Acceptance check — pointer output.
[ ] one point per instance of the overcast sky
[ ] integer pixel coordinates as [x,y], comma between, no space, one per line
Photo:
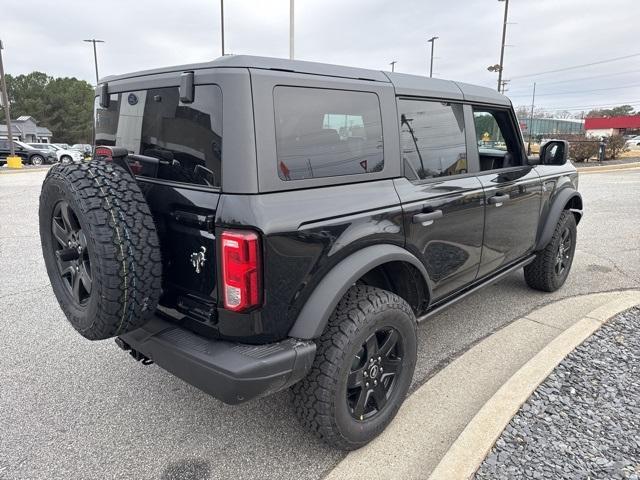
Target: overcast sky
[542,35]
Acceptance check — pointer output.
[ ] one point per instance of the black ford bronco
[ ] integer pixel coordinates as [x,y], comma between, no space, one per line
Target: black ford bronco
[253,224]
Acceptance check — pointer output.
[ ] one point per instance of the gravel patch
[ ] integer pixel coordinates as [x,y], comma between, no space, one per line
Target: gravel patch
[583,421]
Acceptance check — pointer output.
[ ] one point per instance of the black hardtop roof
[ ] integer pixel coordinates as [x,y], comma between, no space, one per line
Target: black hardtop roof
[405,84]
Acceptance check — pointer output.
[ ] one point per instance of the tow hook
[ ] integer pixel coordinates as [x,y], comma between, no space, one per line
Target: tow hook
[138,356]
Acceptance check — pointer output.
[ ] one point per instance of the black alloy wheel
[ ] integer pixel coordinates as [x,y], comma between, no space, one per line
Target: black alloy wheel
[373,374]
[71,252]
[563,256]
[364,363]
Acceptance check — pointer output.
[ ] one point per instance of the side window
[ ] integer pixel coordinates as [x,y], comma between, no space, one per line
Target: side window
[4,144]
[326,133]
[497,141]
[432,139]
[185,137]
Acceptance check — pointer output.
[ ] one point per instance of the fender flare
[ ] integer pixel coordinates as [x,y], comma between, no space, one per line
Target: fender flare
[553,216]
[314,316]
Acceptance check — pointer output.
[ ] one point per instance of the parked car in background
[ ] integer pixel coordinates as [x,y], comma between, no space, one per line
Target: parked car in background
[62,145]
[28,154]
[633,142]
[63,155]
[85,148]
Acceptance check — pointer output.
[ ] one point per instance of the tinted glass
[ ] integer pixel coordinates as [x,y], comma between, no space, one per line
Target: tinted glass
[185,137]
[4,144]
[432,139]
[325,133]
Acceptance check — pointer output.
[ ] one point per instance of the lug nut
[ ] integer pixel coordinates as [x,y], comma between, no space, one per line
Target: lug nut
[379,359]
[381,369]
[375,382]
[365,374]
[366,385]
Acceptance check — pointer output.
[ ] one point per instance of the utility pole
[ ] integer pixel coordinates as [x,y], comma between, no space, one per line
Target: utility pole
[393,64]
[12,160]
[533,103]
[432,40]
[503,85]
[291,28]
[504,36]
[222,24]
[95,55]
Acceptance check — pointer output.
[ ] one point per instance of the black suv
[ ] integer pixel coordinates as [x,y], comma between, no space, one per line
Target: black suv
[252,224]
[27,153]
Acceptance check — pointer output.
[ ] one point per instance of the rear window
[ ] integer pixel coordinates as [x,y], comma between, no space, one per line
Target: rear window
[185,137]
[327,133]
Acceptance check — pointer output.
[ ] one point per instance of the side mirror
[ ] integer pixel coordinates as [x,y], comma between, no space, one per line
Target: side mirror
[554,152]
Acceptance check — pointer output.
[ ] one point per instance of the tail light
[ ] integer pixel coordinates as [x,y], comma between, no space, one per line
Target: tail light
[103,153]
[241,270]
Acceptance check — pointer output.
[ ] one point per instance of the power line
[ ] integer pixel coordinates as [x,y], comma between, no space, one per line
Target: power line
[582,91]
[590,106]
[585,78]
[577,66]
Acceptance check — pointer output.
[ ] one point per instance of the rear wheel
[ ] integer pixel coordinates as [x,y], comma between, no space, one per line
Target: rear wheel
[65,159]
[362,370]
[550,269]
[37,160]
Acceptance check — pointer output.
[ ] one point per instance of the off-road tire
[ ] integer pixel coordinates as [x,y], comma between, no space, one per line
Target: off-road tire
[320,398]
[540,274]
[121,243]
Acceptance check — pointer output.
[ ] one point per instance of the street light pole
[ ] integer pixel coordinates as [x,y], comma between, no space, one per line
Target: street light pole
[393,64]
[432,40]
[5,102]
[504,36]
[95,54]
[222,24]
[533,103]
[291,28]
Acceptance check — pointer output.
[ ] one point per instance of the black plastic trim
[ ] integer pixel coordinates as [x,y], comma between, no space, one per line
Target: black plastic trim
[232,372]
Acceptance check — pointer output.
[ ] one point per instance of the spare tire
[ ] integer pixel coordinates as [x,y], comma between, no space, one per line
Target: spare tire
[100,248]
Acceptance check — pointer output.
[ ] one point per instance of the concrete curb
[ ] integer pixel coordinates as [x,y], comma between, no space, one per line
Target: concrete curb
[609,168]
[8,171]
[467,453]
[441,425]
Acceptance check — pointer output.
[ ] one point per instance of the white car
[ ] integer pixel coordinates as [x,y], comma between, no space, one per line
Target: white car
[633,142]
[63,155]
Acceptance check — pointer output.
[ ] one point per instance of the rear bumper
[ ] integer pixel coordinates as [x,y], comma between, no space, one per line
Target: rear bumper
[231,372]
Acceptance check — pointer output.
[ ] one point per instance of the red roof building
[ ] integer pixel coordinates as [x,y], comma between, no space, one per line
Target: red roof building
[611,125]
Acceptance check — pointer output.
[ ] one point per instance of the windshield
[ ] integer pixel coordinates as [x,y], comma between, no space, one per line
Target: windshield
[23,145]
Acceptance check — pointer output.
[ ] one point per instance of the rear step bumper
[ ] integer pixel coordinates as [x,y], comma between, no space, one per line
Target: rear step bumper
[231,372]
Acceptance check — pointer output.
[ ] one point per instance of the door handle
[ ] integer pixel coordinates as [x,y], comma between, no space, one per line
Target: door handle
[499,199]
[427,216]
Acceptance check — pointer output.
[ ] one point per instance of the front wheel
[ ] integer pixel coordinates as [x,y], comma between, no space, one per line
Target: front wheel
[37,160]
[362,370]
[65,159]
[551,266]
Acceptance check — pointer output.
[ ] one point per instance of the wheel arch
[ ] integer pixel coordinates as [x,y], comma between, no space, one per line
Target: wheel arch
[567,199]
[373,266]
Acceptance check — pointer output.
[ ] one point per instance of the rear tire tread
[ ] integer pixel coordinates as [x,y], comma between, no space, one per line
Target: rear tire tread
[312,395]
[128,270]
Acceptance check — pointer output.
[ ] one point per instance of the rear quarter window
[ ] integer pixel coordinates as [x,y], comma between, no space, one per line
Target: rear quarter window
[326,133]
[185,137]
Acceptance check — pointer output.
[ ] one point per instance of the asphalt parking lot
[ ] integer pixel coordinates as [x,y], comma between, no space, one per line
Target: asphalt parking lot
[70,408]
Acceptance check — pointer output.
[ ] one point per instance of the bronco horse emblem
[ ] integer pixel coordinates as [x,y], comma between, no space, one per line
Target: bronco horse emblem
[198,259]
